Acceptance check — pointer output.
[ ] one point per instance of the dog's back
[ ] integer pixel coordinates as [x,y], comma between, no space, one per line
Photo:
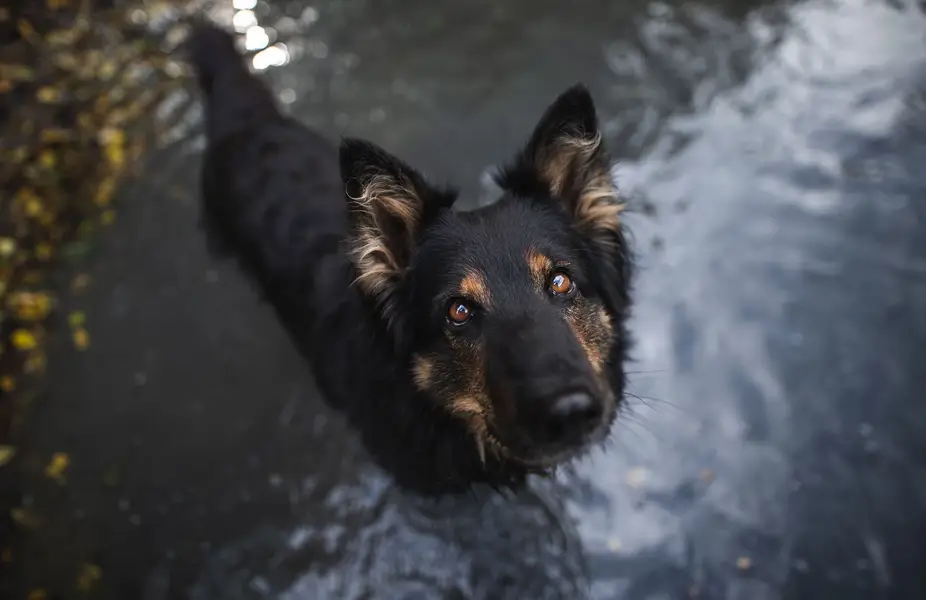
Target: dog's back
[271,187]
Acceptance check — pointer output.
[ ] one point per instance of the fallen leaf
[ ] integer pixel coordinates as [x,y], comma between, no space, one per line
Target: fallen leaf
[48,95]
[743,563]
[30,306]
[36,363]
[58,465]
[43,251]
[88,577]
[81,339]
[7,247]
[113,141]
[80,283]
[48,159]
[7,383]
[77,319]
[6,454]
[104,191]
[24,517]
[24,339]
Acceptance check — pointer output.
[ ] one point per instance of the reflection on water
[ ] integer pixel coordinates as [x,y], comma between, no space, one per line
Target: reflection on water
[774,153]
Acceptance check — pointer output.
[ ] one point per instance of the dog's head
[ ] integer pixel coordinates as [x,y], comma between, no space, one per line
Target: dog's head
[511,316]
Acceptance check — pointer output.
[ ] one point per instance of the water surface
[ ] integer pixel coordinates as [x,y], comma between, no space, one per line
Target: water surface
[773,154]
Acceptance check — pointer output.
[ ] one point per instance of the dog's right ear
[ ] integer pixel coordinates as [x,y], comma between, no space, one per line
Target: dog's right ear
[565,159]
[388,204]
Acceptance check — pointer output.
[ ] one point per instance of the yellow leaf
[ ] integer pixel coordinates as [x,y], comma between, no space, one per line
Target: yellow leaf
[80,283]
[81,338]
[58,465]
[6,454]
[48,95]
[104,192]
[113,141]
[25,28]
[36,363]
[24,517]
[29,200]
[85,120]
[7,247]
[48,158]
[77,319]
[31,306]
[17,72]
[107,70]
[52,135]
[43,251]
[108,217]
[24,339]
[20,154]
[89,575]
[37,595]
[7,384]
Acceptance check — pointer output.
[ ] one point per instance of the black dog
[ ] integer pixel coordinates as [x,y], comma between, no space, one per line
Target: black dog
[466,347]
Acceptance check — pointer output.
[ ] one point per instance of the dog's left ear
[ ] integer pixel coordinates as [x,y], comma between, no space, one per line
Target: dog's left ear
[565,160]
[389,203]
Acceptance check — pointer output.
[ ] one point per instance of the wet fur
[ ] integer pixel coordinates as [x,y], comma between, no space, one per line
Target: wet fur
[332,239]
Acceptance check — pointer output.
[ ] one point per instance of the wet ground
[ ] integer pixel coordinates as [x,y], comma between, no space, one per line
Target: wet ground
[775,156]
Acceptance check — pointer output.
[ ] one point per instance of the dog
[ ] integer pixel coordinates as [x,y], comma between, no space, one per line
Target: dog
[465,347]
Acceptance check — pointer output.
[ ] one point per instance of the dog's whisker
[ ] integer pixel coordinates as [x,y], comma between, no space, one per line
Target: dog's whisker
[480,448]
[647,372]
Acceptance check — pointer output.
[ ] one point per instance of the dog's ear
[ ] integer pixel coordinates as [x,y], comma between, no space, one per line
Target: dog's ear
[388,204]
[566,160]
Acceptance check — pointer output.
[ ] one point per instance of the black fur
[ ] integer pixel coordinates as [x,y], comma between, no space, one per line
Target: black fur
[283,200]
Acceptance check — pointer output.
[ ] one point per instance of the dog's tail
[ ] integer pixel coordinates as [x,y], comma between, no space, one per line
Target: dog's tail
[234,97]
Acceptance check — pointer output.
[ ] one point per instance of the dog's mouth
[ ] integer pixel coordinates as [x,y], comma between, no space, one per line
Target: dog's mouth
[520,448]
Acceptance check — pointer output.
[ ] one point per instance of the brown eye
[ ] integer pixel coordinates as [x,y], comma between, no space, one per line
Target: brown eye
[458,312]
[560,283]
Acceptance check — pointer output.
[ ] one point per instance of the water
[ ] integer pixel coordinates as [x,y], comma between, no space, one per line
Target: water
[774,156]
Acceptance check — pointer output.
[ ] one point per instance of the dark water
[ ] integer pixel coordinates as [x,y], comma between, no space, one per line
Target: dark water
[776,158]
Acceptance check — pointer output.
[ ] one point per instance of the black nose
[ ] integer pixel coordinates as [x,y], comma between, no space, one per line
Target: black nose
[571,416]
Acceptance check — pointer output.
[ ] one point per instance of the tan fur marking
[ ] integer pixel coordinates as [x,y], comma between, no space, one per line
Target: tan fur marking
[474,286]
[475,417]
[540,266]
[466,405]
[599,205]
[422,372]
[593,330]
[557,164]
[377,265]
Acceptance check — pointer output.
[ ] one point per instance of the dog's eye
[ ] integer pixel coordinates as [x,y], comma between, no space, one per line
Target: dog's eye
[458,312]
[560,284]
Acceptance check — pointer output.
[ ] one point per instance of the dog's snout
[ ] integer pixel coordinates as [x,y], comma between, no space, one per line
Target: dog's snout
[577,406]
[570,417]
